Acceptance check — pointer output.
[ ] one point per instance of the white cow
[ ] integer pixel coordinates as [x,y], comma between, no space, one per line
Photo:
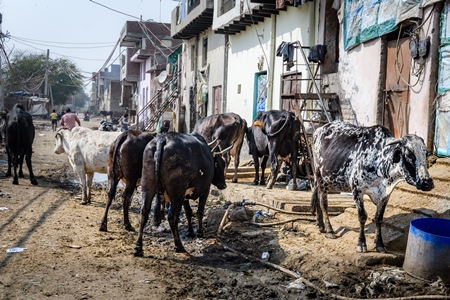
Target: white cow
[88,153]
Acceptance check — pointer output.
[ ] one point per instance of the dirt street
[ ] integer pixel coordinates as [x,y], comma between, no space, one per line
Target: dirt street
[65,256]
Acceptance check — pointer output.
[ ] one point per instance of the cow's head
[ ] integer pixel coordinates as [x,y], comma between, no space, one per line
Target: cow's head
[219,172]
[410,153]
[59,140]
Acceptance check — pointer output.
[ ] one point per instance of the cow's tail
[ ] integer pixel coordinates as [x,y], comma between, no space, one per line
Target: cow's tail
[161,142]
[315,205]
[116,152]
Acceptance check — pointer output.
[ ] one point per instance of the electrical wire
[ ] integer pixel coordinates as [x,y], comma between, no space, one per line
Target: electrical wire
[54,46]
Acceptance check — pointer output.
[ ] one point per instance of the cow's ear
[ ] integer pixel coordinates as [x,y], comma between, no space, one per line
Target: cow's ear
[396,155]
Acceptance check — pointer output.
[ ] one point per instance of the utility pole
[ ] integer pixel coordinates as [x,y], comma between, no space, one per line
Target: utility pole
[2,99]
[46,75]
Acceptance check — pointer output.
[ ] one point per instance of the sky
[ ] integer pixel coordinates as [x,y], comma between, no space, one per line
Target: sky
[83,31]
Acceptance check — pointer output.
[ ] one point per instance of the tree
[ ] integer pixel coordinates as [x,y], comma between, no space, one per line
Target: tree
[26,72]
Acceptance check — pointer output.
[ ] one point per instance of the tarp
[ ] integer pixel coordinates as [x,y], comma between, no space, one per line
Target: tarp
[38,106]
[368,19]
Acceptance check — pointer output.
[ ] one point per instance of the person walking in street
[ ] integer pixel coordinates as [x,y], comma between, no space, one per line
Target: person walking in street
[54,118]
[124,123]
[70,119]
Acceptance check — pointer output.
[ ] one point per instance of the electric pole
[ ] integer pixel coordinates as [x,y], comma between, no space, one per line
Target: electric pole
[2,99]
[46,75]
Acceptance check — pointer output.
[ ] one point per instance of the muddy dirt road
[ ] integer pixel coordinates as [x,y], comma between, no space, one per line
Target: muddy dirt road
[65,256]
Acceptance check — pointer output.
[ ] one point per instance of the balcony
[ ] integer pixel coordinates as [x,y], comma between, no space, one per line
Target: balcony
[191,17]
[236,19]
[130,71]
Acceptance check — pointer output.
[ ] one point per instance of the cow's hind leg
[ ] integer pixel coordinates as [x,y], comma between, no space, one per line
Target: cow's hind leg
[112,187]
[379,245]
[174,217]
[362,216]
[256,166]
[322,193]
[262,180]
[15,164]
[201,211]
[20,165]
[126,200]
[188,211]
[316,210]
[30,168]
[147,198]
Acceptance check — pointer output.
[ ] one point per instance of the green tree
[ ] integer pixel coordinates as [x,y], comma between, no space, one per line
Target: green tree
[80,100]
[26,72]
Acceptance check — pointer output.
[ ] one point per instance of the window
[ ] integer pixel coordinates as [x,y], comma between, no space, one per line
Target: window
[193,57]
[205,52]
[226,5]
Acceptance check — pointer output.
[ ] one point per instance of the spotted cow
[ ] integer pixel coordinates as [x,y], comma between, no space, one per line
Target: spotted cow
[364,161]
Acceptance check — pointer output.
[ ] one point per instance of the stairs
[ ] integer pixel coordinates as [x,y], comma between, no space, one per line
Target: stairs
[168,95]
[302,93]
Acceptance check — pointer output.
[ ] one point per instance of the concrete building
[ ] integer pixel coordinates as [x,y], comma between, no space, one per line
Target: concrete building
[147,46]
[369,67]
[107,91]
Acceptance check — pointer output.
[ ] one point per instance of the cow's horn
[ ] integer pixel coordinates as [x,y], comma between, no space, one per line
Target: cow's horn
[393,142]
[214,148]
[226,149]
[213,143]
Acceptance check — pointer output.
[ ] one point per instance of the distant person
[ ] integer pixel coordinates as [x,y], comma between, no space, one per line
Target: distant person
[124,123]
[70,119]
[54,118]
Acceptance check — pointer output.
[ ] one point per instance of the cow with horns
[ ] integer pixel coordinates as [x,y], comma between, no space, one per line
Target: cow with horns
[282,129]
[179,167]
[224,131]
[364,161]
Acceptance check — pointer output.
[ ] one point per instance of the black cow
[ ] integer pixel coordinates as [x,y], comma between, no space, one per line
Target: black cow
[106,113]
[282,129]
[179,167]
[364,160]
[125,162]
[258,146]
[19,140]
[224,132]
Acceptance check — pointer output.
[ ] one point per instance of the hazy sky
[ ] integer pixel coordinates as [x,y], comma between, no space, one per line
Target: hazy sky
[80,30]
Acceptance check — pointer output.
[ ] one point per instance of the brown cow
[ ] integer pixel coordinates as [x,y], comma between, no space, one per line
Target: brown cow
[223,131]
[125,162]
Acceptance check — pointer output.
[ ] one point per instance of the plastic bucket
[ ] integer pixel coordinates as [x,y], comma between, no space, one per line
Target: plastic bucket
[428,249]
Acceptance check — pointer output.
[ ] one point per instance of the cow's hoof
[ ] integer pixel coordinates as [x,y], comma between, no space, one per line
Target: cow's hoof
[330,235]
[34,182]
[84,202]
[16,181]
[138,252]
[262,183]
[200,234]
[128,227]
[381,249]
[103,227]
[190,234]
[234,180]
[180,249]
[361,249]
[255,182]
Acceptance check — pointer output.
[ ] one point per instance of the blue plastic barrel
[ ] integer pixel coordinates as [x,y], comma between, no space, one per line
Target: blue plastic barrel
[428,249]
